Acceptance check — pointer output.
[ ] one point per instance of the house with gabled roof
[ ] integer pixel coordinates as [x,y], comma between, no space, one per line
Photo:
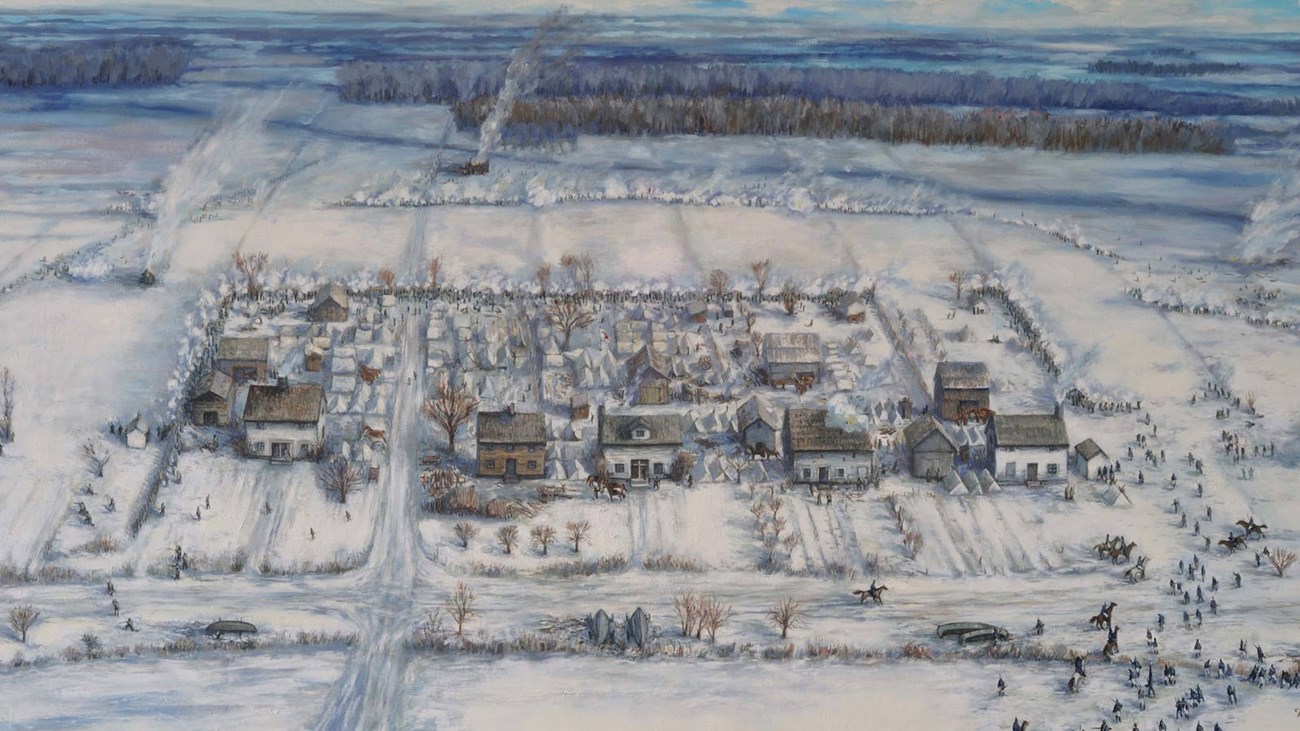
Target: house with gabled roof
[931,451]
[1029,449]
[1090,459]
[649,377]
[639,447]
[331,304]
[792,357]
[511,445]
[759,424]
[210,405]
[244,358]
[284,422]
[820,453]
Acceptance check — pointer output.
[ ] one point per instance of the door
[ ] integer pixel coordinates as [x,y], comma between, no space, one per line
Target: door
[640,469]
[512,470]
[1031,472]
[280,452]
[209,418]
[823,474]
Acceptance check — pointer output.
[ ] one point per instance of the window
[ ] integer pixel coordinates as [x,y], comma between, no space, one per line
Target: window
[659,468]
[640,433]
[1011,469]
[1051,469]
[490,463]
[620,468]
[839,472]
[532,464]
[259,447]
[260,425]
[304,450]
[807,473]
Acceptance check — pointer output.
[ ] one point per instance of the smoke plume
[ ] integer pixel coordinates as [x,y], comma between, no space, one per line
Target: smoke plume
[522,77]
[1273,230]
[197,178]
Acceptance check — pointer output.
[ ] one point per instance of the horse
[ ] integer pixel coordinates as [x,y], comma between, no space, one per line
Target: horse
[1102,619]
[615,490]
[1252,528]
[875,594]
[1138,571]
[1076,680]
[1125,550]
[1234,542]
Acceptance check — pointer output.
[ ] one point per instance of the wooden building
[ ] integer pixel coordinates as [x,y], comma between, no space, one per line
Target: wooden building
[211,403]
[960,387]
[244,359]
[511,445]
[331,304]
[931,451]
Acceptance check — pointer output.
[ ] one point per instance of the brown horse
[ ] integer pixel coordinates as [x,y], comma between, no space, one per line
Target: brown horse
[1234,542]
[1101,620]
[1252,528]
[1125,550]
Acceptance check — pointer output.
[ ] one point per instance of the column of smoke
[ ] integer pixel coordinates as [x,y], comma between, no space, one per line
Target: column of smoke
[196,179]
[522,77]
[1272,232]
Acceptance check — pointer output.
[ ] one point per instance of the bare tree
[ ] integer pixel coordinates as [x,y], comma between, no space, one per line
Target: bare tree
[22,618]
[435,270]
[96,458]
[508,537]
[718,281]
[789,298]
[1281,559]
[387,277]
[586,271]
[958,278]
[465,532]
[6,407]
[577,531]
[1251,399]
[339,477]
[713,614]
[749,317]
[786,615]
[567,315]
[542,536]
[544,277]
[251,266]
[450,409]
[762,269]
[460,605]
[687,607]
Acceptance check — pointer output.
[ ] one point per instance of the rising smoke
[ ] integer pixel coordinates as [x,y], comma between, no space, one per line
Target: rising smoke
[522,76]
[1273,231]
[197,178]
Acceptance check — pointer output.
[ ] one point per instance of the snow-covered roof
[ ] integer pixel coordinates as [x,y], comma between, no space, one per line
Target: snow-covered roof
[961,375]
[792,348]
[1030,430]
[618,429]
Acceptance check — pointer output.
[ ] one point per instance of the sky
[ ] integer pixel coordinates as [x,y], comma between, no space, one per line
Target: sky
[1210,15]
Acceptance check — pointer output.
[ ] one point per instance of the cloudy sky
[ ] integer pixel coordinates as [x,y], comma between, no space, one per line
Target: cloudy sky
[1235,15]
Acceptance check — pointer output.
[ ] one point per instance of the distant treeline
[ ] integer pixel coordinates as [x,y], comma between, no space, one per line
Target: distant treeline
[1151,68]
[552,120]
[444,82]
[132,62]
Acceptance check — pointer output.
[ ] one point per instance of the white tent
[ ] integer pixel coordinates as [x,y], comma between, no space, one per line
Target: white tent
[953,485]
[972,483]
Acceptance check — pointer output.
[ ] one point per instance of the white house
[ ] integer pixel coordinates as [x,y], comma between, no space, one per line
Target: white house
[759,424]
[1089,459]
[639,447]
[284,422]
[1029,448]
[819,453]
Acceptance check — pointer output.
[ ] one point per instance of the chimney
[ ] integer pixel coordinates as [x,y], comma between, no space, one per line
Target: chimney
[1057,410]
[282,382]
[905,406]
[510,408]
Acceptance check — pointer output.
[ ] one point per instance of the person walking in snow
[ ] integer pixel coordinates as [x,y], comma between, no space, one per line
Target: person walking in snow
[116,608]
[1002,687]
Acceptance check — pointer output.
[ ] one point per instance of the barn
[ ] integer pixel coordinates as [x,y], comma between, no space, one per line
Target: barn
[759,424]
[649,377]
[244,359]
[791,357]
[931,451]
[960,387]
[331,304]
[211,403]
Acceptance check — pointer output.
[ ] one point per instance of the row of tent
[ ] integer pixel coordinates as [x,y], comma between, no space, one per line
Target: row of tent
[968,483]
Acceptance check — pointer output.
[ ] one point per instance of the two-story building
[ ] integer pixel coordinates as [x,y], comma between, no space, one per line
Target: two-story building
[511,445]
[1029,449]
[244,359]
[960,387]
[817,452]
[639,447]
[284,422]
